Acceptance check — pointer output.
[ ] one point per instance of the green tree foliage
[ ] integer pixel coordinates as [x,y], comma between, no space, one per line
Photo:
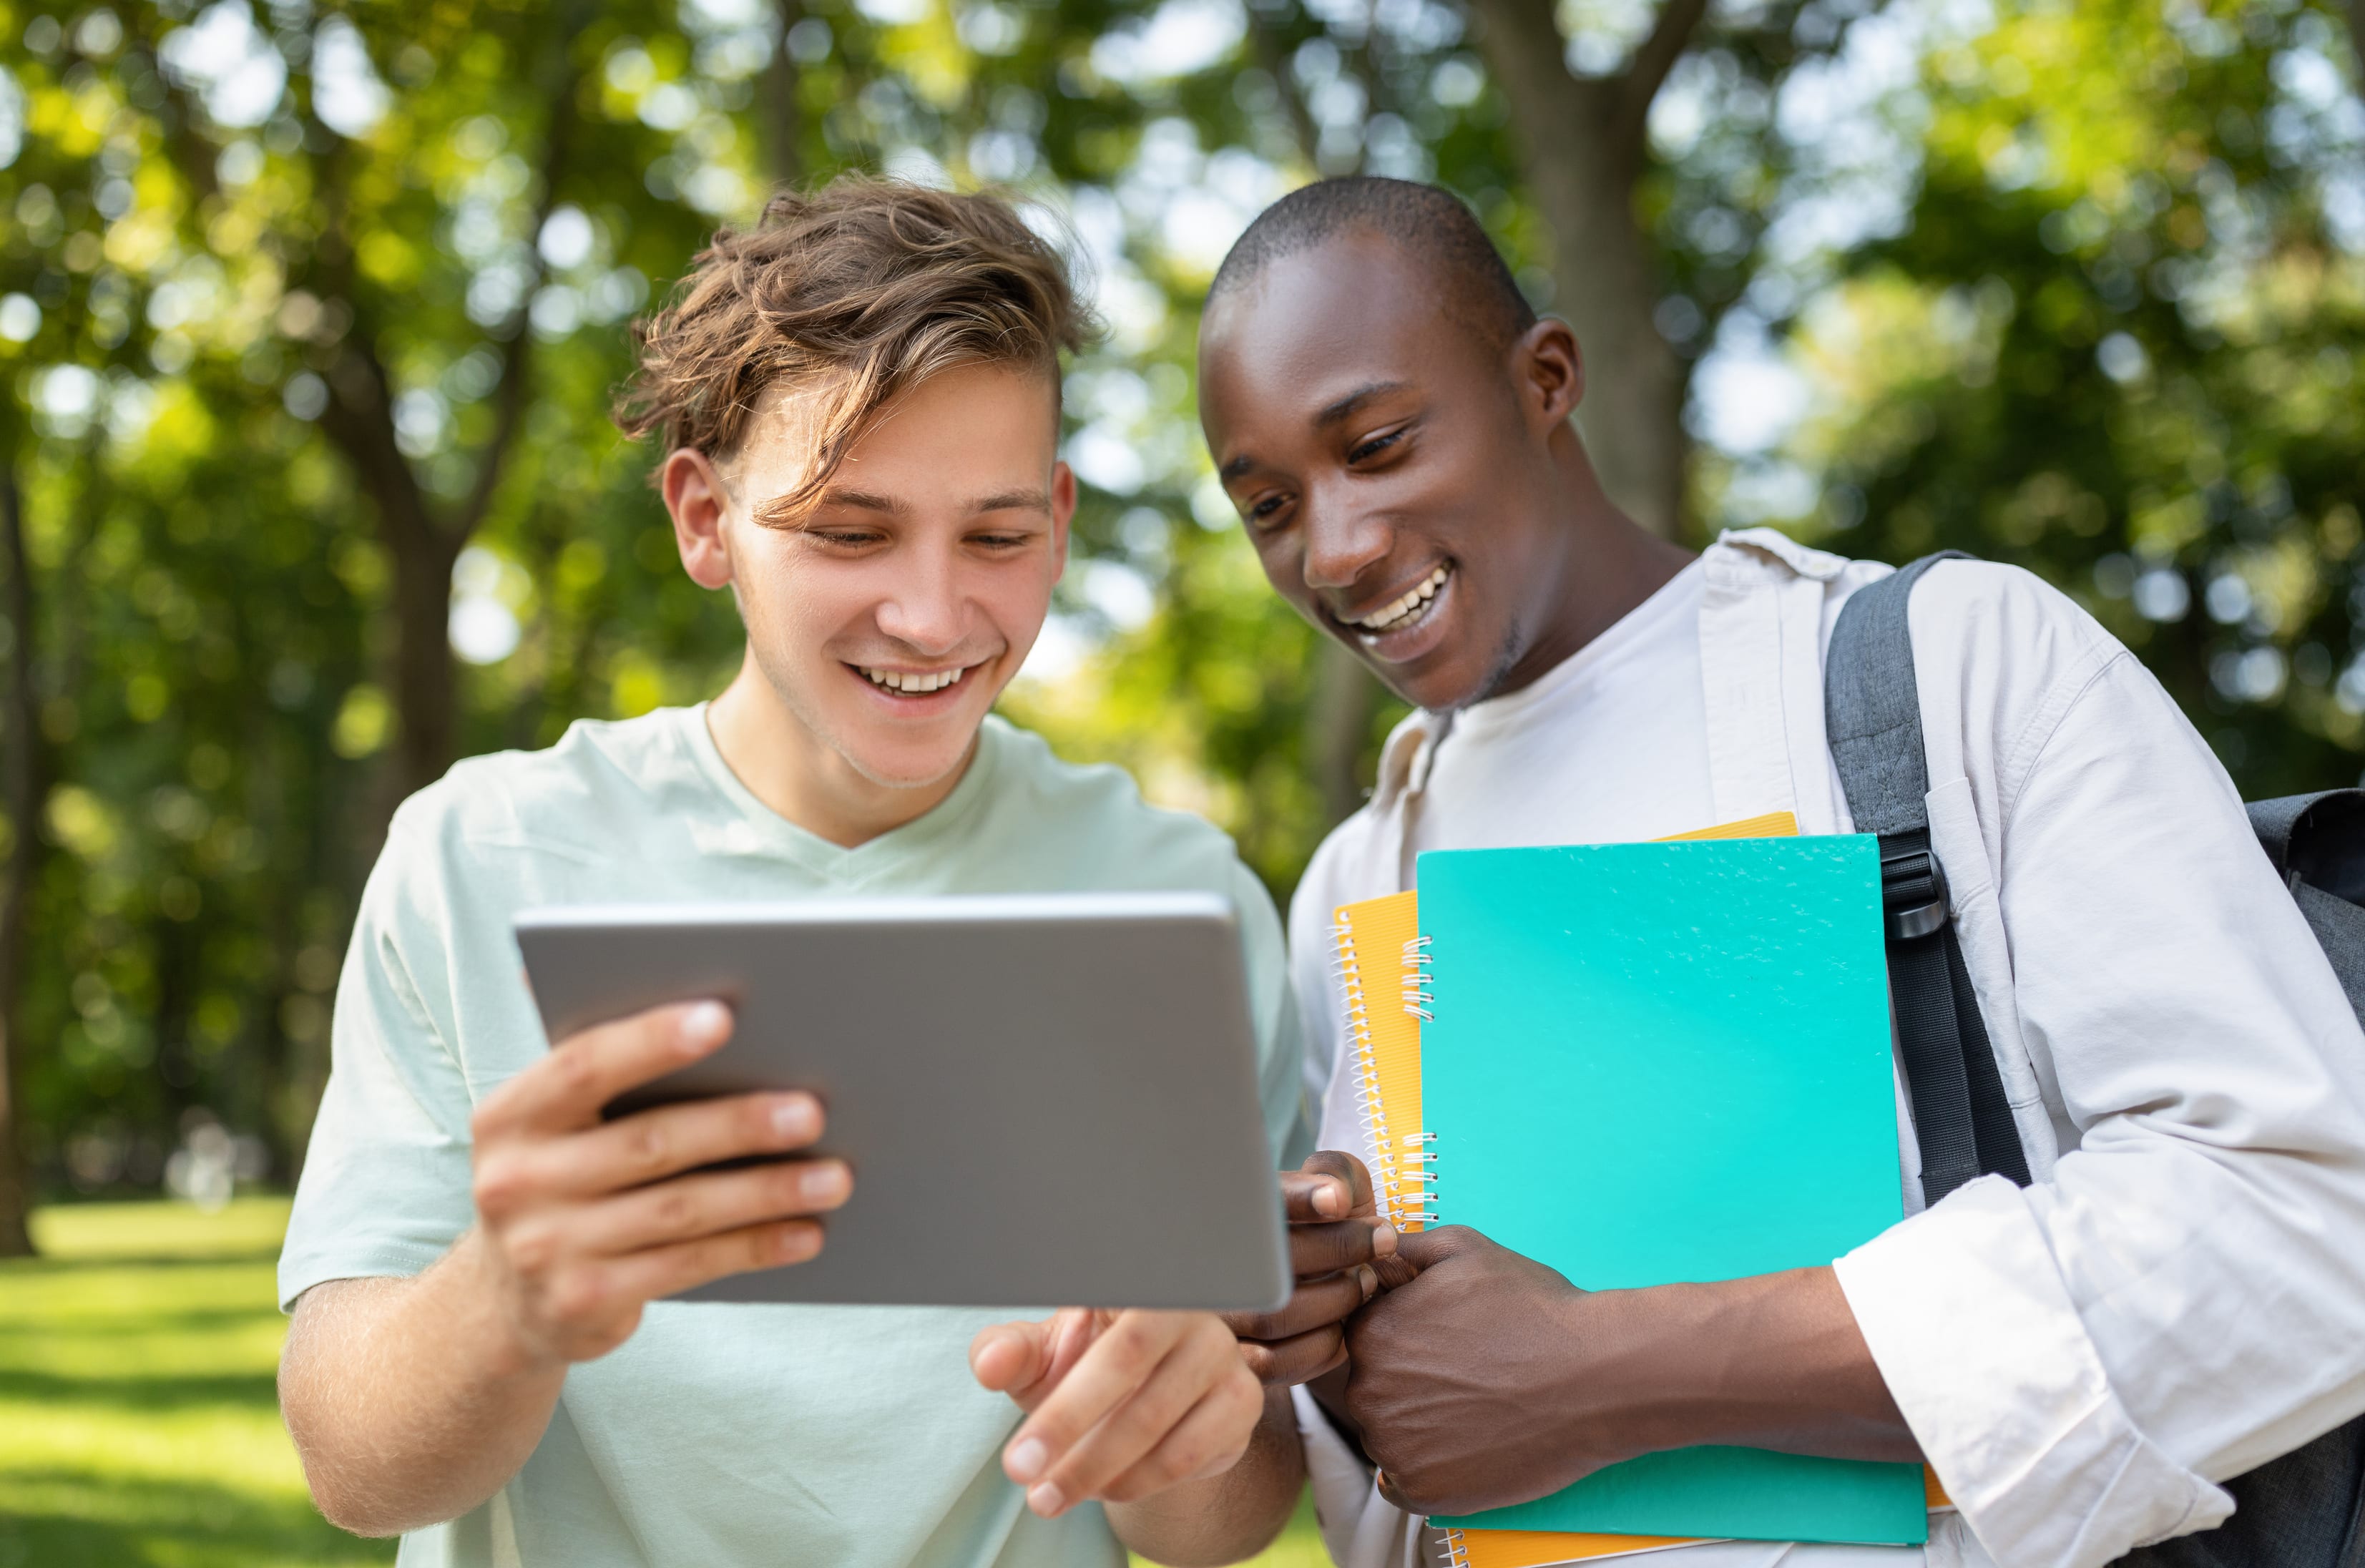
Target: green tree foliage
[277,354]
[2116,344]
[311,314]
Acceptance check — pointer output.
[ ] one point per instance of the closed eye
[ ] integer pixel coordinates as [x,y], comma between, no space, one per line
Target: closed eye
[1377,445]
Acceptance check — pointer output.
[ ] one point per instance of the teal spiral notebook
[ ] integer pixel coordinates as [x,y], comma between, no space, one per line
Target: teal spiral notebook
[1647,1063]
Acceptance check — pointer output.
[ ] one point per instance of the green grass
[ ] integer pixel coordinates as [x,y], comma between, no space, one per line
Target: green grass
[138,1421]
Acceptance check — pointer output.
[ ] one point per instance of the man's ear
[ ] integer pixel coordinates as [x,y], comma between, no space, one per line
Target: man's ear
[1063,509]
[1548,368]
[697,499]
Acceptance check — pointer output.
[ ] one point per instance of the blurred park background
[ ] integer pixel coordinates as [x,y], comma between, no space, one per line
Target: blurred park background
[311,313]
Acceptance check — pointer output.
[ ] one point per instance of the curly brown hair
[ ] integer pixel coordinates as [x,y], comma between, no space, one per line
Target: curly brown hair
[858,291]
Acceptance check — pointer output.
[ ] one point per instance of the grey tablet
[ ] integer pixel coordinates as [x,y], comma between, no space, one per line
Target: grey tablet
[1048,1100]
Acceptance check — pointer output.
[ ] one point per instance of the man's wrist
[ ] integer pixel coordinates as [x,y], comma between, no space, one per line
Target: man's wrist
[1630,1373]
[1224,1518]
[1770,1362]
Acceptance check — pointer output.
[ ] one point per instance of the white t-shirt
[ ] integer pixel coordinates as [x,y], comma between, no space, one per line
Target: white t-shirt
[1609,746]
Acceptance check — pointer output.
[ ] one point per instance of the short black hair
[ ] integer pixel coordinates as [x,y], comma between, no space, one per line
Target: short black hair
[1475,286]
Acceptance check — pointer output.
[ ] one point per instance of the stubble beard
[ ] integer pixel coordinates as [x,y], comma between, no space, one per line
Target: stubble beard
[1507,654]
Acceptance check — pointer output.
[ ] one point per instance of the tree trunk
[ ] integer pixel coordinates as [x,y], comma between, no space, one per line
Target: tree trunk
[1341,700]
[1605,286]
[425,538]
[426,685]
[782,113]
[359,419]
[1342,694]
[175,960]
[21,777]
[1581,143]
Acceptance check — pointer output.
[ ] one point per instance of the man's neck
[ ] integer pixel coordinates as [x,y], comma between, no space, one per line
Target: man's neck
[1610,565]
[792,770]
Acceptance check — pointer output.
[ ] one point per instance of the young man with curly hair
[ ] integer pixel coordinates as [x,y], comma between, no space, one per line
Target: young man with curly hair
[858,408]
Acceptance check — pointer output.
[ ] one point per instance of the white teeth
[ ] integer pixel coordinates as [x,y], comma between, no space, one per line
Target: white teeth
[1390,614]
[913,682]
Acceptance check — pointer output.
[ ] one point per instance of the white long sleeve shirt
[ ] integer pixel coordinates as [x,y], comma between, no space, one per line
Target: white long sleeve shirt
[2181,1294]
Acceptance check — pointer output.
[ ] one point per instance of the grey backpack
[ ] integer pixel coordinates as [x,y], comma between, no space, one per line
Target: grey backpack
[2303,1511]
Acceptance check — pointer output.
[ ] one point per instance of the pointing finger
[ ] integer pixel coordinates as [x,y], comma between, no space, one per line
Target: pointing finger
[1118,1364]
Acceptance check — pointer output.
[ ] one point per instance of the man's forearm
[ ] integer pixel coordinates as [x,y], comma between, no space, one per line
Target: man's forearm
[1776,1361]
[411,1400]
[1225,1518]
[1488,1380]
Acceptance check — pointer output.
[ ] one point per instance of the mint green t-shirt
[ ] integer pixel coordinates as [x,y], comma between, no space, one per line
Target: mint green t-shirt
[719,1434]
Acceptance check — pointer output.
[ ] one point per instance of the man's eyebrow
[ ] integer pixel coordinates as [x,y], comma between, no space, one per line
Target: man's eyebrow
[861,500]
[1012,500]
[1331,414]
[1345,407]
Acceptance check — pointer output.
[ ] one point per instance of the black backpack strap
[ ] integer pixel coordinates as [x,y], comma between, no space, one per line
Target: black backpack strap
[2316,840]
[2273,821]
[1873,718]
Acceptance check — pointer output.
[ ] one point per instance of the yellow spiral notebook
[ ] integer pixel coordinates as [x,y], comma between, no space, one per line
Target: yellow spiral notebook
[1373,940]
[1375,948]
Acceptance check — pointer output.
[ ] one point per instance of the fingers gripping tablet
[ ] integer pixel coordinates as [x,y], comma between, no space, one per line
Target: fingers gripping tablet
[1060,1107]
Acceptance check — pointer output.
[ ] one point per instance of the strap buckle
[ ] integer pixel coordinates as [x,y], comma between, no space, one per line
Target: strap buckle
[1913,895]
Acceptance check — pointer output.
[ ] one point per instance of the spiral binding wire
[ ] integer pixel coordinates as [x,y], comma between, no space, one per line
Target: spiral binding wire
[1369,1111]
[1455,1550]
[1417,996]
[1413,1162]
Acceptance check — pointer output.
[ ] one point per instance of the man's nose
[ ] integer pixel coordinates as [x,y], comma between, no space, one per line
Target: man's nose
[926,612]
[1342,544]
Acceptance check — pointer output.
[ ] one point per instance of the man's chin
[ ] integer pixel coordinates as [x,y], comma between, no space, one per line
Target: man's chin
[1455,675]
[905,767]
[1444,680]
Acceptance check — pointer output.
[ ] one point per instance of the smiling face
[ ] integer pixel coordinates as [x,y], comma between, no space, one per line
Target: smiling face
[884,622]
[1402,478]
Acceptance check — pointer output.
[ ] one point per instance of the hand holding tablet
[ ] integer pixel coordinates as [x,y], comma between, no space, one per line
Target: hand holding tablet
[585,1220]
[1057,1105]
[1045,1099]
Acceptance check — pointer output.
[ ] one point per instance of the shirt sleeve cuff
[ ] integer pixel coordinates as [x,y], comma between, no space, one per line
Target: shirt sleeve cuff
[1975,1336]
[299,1271]
[1359,1527]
